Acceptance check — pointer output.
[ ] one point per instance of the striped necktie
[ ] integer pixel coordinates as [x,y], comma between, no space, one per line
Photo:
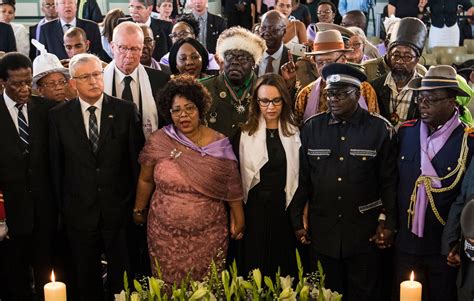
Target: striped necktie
[23,126]
[93,129]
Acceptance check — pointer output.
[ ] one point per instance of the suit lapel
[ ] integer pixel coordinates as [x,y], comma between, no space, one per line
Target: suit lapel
[32,122]
[106,120]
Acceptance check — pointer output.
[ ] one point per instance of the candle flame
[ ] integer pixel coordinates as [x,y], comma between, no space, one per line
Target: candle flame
[412,276]
[53,279]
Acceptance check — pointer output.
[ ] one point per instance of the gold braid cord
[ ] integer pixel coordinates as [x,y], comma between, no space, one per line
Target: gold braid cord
[426,181]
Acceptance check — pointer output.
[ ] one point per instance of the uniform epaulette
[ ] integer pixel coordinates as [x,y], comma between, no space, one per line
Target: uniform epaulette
[409,123]
[206,78]
[311,117]
[375,114]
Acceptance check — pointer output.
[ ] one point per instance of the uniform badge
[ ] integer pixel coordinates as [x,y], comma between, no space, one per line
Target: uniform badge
[222,94]
[333,78]
[213,118]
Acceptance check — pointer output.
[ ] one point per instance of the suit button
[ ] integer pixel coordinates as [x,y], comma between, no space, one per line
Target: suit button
[341,158]
[339,179]
[403,158]
[99,189]
[97,169]
[343,138]
[339,198]
[339,216]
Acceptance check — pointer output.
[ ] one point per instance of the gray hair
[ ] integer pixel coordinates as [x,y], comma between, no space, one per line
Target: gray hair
[358,32]
[80,59]
[127,28]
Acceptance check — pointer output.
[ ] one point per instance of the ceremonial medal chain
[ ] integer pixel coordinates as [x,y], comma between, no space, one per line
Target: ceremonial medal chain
[237,102]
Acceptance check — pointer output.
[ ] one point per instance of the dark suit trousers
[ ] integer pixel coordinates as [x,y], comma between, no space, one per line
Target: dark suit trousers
[19,256]
[466,291]
[355,277]
[438,279]
[86,250]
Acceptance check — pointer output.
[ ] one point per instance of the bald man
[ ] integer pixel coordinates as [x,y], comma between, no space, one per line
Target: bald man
[272,29]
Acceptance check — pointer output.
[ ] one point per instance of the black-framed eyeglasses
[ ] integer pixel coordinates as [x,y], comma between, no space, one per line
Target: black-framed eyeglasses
[54,84]
[188,109]
[88,76]
[324,12]
[405,58]
[238,58]
[341,95]
[430,101]
[265,102]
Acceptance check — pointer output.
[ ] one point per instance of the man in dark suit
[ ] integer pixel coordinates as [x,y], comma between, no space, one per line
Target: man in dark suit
[7,42]
[127,79]
[48,8]
[51,33]
[210,25]
[24,181]
[89,10]
[95,140]
[140,12]
[272,30]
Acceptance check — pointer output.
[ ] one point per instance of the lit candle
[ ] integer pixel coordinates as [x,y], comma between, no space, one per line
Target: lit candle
[410,290]
[55,290]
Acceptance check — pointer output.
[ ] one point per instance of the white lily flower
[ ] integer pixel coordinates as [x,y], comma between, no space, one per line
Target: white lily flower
[120,297]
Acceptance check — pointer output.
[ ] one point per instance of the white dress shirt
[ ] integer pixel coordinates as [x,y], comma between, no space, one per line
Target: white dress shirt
[276,61]
[134,84]
[14,111]
[86,114]
[72,23]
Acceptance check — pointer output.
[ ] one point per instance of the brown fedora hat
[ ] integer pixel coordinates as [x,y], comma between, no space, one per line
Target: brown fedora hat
[328,41]
[437,77]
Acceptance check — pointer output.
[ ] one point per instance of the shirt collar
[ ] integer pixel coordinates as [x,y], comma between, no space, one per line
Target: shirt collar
[122,75]
[354,119]
[10,103]
[97,104]
[73,22]
[277,55]
[390,82]
[148,22]
[204,16]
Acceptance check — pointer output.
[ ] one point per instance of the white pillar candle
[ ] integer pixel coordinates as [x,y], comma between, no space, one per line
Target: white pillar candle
[54,290]
[410,290]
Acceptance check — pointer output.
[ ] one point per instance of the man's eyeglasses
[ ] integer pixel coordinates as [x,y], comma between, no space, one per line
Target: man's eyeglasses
[48,5]
[270,29]
[87,77]
[180,35]
[405,58]
[354,46]
[148,41]
[430,101]
[124,49]
[264,102]
[324,12]
[20,84]
[188,109]
[341,95]
[54,84]
[321,64]
[239,58]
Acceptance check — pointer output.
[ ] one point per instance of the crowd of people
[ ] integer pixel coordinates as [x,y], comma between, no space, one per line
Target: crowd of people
[156,137]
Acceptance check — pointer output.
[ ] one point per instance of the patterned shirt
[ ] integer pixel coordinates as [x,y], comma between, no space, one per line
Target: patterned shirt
[399,100]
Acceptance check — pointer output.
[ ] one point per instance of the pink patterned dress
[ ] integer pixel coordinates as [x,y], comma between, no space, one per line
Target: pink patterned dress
[187,220]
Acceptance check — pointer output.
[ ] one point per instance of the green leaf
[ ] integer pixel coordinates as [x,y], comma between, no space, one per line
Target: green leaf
[269,283]
[125,283]
[137,285]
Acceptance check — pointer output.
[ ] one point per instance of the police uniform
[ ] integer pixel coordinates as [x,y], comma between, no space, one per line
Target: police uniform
[348,174]
[224,115]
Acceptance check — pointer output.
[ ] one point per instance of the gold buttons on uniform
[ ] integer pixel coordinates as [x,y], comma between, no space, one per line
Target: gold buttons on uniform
[449,168]
[343,138]
[341,158]
[403,158]
[317,158]
[364,158]
[339,179]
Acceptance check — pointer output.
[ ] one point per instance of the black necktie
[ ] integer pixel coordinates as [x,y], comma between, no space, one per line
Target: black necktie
[269,68]
[93,129]
[67,26]
[22,126]
[127,90]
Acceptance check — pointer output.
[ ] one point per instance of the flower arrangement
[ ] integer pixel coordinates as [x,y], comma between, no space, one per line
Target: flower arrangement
[227,285]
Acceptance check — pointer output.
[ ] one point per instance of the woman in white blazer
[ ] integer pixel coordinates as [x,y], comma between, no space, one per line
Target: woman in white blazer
[269,165]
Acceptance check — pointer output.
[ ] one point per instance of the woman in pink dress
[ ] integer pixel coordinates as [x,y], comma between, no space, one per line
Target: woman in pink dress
[190,173]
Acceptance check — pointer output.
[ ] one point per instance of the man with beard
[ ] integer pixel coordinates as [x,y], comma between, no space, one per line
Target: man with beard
[434,154]
[395,99]
[239,50]
[347,175]
[272,30]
